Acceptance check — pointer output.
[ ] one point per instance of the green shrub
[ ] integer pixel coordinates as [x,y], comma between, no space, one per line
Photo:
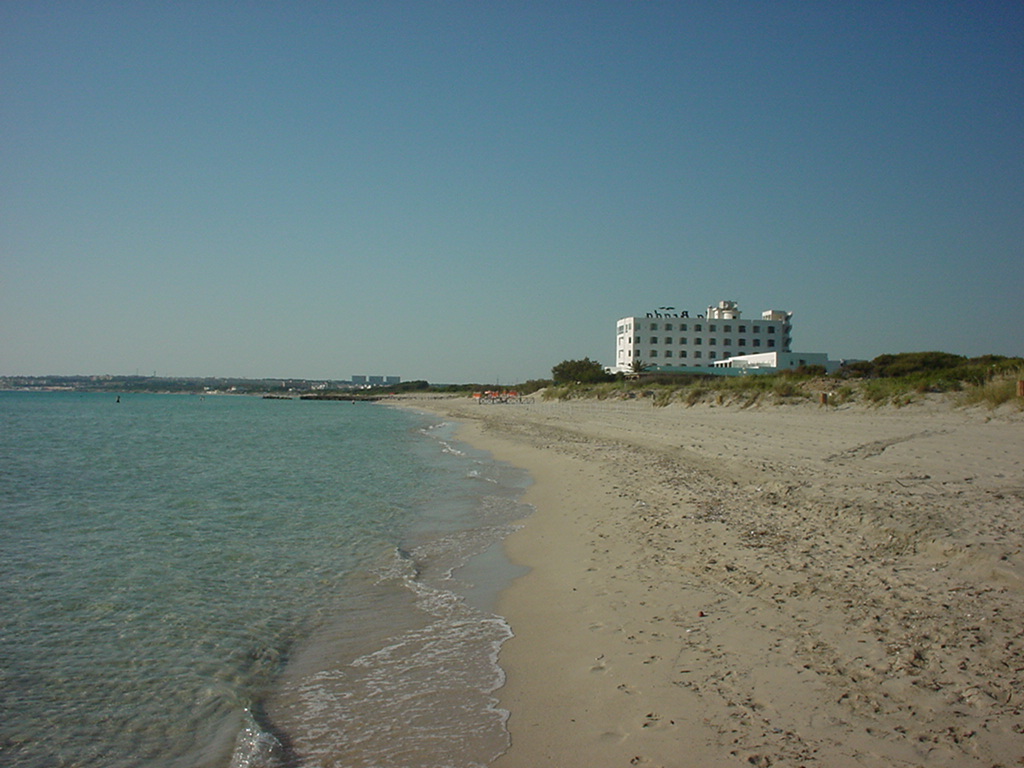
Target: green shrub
[585,370]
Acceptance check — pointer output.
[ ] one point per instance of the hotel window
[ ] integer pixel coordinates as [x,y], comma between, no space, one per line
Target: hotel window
[668,326]
[682,339]
[743,329]
[654,326]
[727,343]
[654,339]
[696,327]
[654,353]
[742,342]
[696,354]
[756,329]
[668,353]
[682,326]
[682,353]
[668,339]
[757,342]
[771,342]
[712,342]
[728,329]
[771,329]
[711,355]
[711,327]
[637,340]
[636,353]
[697,341]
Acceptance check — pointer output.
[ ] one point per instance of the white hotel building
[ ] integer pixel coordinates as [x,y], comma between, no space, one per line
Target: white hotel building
[665,340]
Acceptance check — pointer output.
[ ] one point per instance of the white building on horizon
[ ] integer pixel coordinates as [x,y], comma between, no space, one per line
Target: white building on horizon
[670,340]
[375,381]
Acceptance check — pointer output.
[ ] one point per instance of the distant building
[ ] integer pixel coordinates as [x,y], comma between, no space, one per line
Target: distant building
[670,340]
[375,381]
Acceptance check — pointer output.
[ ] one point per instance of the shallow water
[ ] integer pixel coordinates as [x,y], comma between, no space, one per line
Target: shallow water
[213,581]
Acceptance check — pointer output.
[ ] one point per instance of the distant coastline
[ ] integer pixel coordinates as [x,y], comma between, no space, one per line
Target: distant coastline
[171,384]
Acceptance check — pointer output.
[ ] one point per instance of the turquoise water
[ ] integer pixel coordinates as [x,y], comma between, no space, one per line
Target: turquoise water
[229,581]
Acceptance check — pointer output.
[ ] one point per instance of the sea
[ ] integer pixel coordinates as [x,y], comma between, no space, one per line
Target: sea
[226,581]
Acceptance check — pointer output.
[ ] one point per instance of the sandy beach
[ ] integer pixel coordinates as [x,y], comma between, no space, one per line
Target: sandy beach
[788,585]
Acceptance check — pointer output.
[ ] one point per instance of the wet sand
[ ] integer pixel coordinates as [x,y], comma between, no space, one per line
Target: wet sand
[788,585]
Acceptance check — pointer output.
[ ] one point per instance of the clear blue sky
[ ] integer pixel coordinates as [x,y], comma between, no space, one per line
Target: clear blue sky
[475,191]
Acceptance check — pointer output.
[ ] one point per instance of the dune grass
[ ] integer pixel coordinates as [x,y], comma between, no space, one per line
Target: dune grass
[894,380]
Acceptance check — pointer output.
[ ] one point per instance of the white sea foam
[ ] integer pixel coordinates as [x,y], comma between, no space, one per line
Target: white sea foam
[254,747]
[424,697]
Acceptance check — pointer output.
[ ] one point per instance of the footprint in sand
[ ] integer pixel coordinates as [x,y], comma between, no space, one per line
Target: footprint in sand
[654,720]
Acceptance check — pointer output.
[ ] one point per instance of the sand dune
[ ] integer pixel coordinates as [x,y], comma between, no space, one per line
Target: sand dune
[784,586]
